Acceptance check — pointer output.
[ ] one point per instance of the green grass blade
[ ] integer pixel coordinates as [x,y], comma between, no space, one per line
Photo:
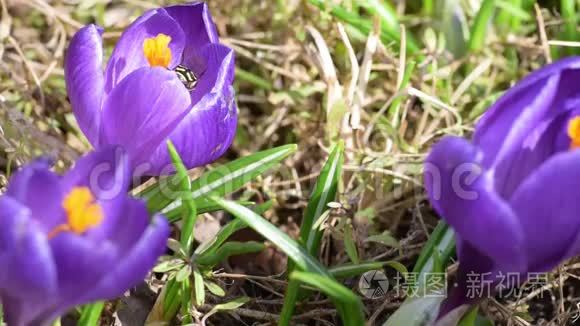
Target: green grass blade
[569,33]
[232,176]
[299,256]
[209,248]
[479,29]
[290,298]
[177,293]
[514,9]
[363,25]
[253,79]
[188,208]
[454,26]
[350,245]
[231,248]
[222,180]
[189,220]
[291,248]
[186,301]
[395,108]
[441,243]
[389,21]
[180,171]
[428,7]
[90,314]
[348,304]
[416,312]
[171,300]
[511,14]
[351,270]
[324,193]
[385,11]
[433,258]
[202,205]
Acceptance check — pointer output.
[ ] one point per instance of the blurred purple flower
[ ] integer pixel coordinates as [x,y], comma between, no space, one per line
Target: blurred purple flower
[168,78]
[511,194]
[74,239]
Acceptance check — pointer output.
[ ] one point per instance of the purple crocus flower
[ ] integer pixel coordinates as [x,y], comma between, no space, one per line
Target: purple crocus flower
[511,194]
[72,239]
[167,78]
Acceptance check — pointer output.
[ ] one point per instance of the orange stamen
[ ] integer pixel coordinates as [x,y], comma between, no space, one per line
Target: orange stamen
[82,212]
[574,132]
[157,51]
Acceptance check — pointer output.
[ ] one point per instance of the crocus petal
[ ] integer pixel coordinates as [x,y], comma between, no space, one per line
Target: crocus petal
[545,141]
[462,193]
[85,81]
[24,311]
[29,185]
[131,215]
[128,53]
[197,24]
[105,172]
[114,216]
[519,110]
[12,214]
[508,133]
[45,274]
[142,110]
[209,128]
[81,264]
[135,265]
[466,291]
[28,266]
[218,77]
[547,204]
[13,310]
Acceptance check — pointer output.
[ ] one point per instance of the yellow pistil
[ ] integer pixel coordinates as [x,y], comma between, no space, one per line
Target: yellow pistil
[157,51]
[574,132]
[82,212]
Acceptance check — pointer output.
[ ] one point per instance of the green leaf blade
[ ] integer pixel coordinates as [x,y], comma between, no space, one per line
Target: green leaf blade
[90,314]
[299,255]
[220,181]
[348,304]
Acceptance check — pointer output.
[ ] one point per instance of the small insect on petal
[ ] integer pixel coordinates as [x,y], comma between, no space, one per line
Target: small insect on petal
[187,76]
